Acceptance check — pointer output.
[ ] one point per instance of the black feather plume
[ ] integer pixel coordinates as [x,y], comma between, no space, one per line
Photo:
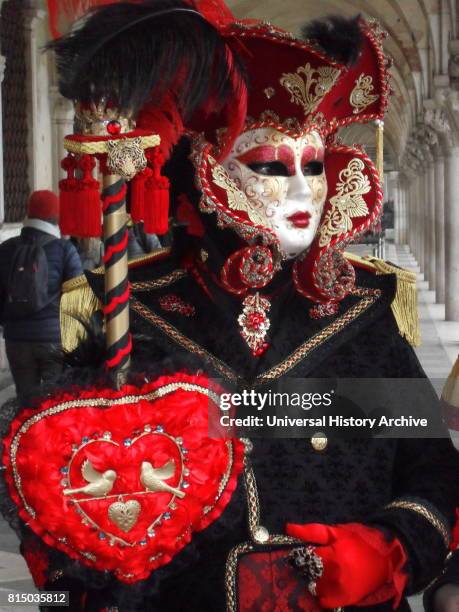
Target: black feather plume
[340,38]
[128,53]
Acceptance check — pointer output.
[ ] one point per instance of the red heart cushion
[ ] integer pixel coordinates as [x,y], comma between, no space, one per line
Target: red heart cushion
[121,479]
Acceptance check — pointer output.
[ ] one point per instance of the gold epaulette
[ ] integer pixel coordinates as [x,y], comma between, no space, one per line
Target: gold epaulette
[79,303]
[405,303]
[450,393]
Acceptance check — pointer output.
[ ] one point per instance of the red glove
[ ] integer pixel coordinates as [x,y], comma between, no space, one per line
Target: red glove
[360,566]
[455,539]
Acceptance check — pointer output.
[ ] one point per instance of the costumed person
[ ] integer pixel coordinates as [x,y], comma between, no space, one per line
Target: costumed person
[123,497]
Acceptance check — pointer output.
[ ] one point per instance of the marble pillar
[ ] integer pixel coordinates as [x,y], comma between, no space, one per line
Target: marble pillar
[33,16]
[62,120]
[412,213]
[404,213]
[431,222]
[440,228]
[452,235]
[420,216]
[2,190]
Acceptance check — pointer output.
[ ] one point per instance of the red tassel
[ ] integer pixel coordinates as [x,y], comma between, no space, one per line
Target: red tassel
[156,212]
[137,195]
[87,219]
[67,188]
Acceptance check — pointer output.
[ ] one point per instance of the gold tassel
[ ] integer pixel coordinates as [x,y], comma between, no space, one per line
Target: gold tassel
[405,303]
[78,300]
[380,148]
[450,393]
[78,303]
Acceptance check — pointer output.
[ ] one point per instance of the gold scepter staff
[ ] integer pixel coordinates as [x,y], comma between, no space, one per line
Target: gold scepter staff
[121,158]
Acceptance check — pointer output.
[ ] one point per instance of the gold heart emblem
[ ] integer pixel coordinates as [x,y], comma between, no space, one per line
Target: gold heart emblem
[124,514]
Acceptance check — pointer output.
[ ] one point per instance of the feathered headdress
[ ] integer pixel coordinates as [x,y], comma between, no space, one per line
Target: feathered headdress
[161,56]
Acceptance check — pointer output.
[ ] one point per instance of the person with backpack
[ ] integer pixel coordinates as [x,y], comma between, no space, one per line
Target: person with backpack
[33,267]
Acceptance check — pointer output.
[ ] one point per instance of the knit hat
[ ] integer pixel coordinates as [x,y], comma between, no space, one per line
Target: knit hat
[43,205]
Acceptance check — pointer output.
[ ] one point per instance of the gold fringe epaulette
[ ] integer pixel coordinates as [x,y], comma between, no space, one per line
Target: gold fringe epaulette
[450,393]
[405,303]
[79,303]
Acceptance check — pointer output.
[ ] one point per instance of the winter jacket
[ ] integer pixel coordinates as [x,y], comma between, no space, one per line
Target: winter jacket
[63,264]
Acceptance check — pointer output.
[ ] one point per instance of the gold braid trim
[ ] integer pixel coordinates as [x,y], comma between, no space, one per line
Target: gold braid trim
[91,147]
[405,303]
[432,518]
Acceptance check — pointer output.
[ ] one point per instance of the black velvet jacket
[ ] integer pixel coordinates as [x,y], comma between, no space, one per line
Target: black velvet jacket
[352,480]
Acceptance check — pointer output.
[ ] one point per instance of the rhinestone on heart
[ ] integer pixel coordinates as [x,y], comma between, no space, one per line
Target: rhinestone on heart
[124,513]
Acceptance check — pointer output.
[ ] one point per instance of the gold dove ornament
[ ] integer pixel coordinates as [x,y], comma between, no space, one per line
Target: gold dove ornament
[153,478]
[99,483]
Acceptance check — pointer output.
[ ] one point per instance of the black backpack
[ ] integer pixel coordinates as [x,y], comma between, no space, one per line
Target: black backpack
[27,288]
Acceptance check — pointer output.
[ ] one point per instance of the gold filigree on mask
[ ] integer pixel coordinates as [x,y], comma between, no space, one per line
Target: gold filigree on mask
[124,514]
[309,85]
[361,95]
[237,200]
[318,185]
[347,203]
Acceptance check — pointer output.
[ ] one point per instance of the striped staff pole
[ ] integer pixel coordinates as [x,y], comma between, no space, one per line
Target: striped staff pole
[116,302]
[121,158]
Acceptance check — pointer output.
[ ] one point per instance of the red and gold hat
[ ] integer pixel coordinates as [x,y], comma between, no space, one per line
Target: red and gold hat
[297,86]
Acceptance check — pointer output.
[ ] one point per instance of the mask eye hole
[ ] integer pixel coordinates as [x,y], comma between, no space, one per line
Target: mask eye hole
[274,168]
[313,168]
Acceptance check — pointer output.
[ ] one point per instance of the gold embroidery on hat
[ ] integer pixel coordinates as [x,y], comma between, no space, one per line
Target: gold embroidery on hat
[347,203]
[309,89]
[361,95]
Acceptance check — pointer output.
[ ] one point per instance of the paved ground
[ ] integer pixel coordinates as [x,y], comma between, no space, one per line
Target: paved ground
[14,575]
[438,352]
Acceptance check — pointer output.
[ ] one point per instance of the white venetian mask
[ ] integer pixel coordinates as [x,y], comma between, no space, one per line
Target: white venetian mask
[284,181]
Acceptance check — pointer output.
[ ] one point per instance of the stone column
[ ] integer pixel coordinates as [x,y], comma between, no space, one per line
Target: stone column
[420,216]
[2,192]
[452,234]
[62,120]
[431,223]
[392,194]
[412,226]
[404,222]
[32,18]
[412,216]
[399,213]
[425,224]
[440,227]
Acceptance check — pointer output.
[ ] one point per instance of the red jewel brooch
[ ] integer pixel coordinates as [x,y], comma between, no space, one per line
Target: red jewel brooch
[254,323]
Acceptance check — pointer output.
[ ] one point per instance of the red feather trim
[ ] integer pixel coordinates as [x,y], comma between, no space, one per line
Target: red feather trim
[62,13]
